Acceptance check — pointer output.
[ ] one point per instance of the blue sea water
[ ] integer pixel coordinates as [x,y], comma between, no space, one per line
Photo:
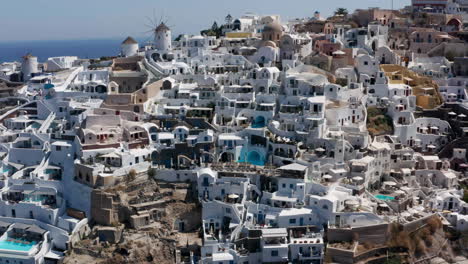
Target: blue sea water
[94,48]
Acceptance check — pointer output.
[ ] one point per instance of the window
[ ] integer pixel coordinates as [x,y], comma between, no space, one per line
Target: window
[228,210]
[292,220]
[274,253]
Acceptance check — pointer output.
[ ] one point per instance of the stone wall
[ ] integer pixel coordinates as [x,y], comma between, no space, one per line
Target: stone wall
[377,234]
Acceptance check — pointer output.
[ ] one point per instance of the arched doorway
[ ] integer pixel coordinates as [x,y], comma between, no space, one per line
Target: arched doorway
[167,85]
[227,157]
[101,89]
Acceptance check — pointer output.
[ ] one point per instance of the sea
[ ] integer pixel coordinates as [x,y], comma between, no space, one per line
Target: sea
[85,49]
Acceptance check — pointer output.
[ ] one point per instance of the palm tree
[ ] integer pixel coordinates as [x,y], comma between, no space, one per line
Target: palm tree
[341,11]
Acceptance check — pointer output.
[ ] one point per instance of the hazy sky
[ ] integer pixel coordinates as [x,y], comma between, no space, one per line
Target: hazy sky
[90,19]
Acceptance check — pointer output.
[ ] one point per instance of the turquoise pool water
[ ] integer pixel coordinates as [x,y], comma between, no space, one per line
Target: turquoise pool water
[34,199]
[259,122]
[384,197]
[256,125]
[11,245]
[253,157]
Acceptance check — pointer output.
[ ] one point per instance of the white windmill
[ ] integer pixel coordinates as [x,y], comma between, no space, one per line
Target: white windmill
[160,31]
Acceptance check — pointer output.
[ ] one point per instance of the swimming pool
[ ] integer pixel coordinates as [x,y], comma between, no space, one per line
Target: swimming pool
[384,197]
[18,246]
[253,157]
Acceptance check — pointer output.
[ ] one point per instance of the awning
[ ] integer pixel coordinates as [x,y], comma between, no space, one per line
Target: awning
[36,230]
[52,167]
[111,155]
[4,224]
[16,165]
[21,226]
[44,192]
[352,202]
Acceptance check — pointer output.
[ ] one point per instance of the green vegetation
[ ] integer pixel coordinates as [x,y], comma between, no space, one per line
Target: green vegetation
[464,186]
[378,122]
[341,11]
[179,37]
[213,31]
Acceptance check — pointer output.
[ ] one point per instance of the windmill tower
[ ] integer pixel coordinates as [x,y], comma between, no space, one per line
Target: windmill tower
[29,66]
[162,37]
[160,33]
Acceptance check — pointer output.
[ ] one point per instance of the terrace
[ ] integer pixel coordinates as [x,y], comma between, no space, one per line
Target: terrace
[21,238]
[42,197]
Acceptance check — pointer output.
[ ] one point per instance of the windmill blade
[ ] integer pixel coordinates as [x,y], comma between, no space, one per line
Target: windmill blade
[151,22]
[149,26]
[156,21]
[151,31]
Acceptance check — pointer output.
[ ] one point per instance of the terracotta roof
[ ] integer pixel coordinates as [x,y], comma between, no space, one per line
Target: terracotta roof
[129,40]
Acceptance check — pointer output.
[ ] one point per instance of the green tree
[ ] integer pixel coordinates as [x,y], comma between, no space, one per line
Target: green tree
[215,27]
[178,37]
[341,11]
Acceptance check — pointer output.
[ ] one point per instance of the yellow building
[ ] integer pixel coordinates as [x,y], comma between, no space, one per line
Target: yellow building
[424,88]
[238,35]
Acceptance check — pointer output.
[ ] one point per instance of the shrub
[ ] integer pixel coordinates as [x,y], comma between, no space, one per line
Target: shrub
[151,173]
[131,176]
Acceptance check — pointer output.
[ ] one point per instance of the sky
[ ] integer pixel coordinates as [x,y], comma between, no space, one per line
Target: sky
[95,19]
